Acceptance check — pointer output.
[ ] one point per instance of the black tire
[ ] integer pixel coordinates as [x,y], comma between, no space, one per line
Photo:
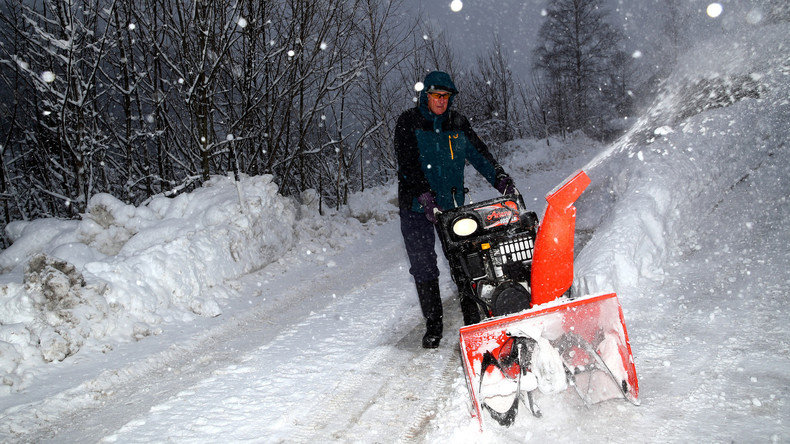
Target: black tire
[510,297]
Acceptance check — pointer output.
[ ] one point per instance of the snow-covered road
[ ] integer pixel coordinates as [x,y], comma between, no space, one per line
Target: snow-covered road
[334,355]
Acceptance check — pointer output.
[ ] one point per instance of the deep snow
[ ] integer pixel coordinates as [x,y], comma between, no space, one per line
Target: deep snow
[233,313]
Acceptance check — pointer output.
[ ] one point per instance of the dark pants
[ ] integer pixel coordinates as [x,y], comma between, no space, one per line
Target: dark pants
[419,235]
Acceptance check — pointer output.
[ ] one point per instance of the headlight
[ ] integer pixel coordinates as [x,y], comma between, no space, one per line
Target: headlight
[464,226]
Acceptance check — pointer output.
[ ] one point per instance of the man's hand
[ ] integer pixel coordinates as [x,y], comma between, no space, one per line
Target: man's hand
[505,185]
[428,202]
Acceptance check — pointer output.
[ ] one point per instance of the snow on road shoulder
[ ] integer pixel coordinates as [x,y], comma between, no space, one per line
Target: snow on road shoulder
[195,235]
[121,272]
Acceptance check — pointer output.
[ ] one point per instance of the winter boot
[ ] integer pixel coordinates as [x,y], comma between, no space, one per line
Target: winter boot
[431,304]
[433,333]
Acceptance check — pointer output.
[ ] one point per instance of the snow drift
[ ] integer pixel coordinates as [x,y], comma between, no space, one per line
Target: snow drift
[716,120]
[121,271]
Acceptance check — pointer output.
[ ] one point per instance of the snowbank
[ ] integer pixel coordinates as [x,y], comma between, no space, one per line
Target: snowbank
[121,271]
[715,122]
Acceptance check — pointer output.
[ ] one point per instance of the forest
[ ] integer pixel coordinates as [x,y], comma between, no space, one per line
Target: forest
[143,98]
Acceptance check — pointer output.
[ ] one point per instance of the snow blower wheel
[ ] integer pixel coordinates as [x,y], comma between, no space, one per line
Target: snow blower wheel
[509,297]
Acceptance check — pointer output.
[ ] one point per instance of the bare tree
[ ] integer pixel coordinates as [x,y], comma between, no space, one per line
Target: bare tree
[536,102]
[576,49]
[147,97]
[494,111]
[386,39]
[620,95]
[59,102]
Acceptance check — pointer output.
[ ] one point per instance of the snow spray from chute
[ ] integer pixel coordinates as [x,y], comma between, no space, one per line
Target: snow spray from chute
[557,342]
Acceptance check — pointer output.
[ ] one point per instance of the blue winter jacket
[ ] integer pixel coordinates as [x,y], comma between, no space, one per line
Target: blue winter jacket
[432,152]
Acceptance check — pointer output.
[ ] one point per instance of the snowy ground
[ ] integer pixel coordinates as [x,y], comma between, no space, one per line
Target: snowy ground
[199,319]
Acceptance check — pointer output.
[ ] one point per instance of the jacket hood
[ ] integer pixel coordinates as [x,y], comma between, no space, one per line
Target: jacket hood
[439,80]
[436,80]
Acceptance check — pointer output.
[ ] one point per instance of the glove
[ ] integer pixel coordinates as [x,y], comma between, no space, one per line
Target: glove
[505,185]
[428,201]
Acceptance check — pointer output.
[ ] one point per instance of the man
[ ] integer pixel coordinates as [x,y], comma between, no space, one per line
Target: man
[432,145]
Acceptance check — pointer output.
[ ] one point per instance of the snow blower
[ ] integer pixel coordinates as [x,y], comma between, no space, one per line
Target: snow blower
[535,335]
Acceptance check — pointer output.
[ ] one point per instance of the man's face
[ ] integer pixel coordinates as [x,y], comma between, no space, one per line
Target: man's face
[438,101]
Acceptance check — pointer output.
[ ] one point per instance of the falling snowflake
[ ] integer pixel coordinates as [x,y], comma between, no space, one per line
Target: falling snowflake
[48,76]
[754,16]
[714,10]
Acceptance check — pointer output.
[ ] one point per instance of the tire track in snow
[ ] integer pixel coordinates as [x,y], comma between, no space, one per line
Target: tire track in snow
[390,384]
[318,361]
[441,390]
[136,388]
[352,369]
[352,358]
[132,389]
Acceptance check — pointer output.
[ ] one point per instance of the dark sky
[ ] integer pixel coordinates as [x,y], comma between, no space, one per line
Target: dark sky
[517,23]
[473,28]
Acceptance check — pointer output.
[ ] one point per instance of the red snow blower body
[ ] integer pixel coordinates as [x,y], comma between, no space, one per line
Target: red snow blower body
[535,336]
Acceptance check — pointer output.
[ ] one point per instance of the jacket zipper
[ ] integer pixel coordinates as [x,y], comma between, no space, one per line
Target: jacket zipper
[450,141]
